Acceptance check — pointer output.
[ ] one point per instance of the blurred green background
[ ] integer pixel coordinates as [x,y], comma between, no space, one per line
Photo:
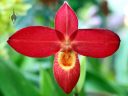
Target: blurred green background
[24,76]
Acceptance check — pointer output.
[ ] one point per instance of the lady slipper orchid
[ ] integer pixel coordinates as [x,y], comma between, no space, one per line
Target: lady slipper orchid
[65,41]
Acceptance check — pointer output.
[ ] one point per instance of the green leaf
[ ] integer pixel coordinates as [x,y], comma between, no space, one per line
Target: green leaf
[99,83]
[81,81]
[46,84]
[13,83]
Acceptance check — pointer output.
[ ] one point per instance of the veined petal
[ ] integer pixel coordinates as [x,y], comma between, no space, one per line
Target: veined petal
[66,20]
[66,70]
[96,43]
[35,41]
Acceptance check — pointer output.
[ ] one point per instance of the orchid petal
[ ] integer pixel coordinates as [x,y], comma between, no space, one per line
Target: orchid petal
[66,20]
[66,75]
[96,43]
[35,41]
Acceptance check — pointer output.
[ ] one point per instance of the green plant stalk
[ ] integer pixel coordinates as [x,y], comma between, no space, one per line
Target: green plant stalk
[81,81]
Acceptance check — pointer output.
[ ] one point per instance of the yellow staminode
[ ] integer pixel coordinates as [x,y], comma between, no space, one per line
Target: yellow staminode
[67,59]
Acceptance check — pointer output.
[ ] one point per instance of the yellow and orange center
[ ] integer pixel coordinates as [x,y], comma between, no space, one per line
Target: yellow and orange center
[67,59]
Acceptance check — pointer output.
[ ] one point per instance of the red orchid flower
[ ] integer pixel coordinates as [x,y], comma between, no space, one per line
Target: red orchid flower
[65,41]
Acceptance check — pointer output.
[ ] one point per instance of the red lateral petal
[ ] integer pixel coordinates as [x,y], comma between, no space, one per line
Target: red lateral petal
[35,41]
[66,75]
[66,20]
[96,43]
